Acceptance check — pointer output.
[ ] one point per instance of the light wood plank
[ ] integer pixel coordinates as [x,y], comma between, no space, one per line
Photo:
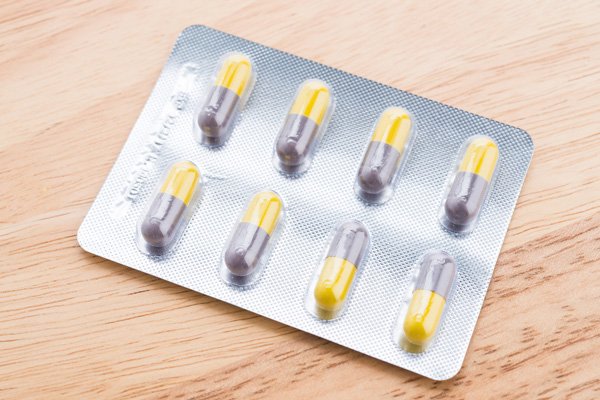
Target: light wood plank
[74,77]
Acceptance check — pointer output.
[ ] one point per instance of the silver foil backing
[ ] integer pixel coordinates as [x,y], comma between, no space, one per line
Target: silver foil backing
[402,229]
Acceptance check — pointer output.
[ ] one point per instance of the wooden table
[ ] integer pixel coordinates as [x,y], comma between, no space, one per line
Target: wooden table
[74,77]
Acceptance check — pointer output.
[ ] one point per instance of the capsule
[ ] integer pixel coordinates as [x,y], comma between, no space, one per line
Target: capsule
[225,98]
[166,213]
[245,249]
[303,126]
[469,187]
[434,282]
[345,255]
[385,155]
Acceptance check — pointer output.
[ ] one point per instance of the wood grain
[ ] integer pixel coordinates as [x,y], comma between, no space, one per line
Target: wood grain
[75,75]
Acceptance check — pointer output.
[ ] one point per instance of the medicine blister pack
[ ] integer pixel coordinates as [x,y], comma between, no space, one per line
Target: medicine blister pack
[351,210]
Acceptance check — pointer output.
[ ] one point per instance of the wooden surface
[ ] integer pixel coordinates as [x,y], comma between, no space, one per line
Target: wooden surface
[74,76]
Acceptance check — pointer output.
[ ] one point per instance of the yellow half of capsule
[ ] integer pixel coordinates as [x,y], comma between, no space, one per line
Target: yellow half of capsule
[181,181]
[334,283]
[235,73]
[264,211]
[480,158]
[393,128]
[312,101]
[423,316]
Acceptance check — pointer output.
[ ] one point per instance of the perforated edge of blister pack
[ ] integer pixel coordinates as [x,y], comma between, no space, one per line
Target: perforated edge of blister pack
[402,229]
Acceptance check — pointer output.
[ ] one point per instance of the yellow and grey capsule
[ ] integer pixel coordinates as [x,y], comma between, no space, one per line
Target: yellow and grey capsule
[470,185]
[166,213]
[384,155]
[345,256]
[252,234]
[298,138]
[220,108]
[434,282]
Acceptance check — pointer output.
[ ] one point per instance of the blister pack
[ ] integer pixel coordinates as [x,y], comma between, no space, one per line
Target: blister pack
[342,207]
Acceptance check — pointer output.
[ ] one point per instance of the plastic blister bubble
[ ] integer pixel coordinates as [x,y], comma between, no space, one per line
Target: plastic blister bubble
[338,271]
[252,239]
[303,128]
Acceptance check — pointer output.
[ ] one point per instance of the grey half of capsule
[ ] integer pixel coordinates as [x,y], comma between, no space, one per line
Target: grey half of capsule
[378,168]
[465,197]
[350,242]
[218,112]
[296,140]
[437,273]
[162,220]
[245,248]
